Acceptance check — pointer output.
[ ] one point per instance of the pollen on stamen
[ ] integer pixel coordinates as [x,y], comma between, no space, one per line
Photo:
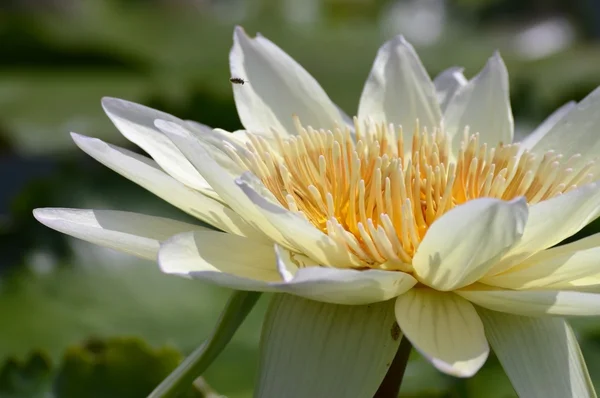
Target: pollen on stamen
[375,191]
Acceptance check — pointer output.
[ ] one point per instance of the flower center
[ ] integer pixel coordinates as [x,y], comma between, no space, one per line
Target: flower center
[377,195]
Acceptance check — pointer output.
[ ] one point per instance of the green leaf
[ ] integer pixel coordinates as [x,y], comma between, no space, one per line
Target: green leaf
[313,349]
[31,378]
[541,356]
[115,368]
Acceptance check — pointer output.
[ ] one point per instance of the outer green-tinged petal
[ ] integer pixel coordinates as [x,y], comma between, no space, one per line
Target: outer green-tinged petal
[301,234]
[445,328]
[577,132]
[131,233]
[551,221]
[532,139]
[238,307]
[399,90]
[483,105]
[136,123]
[148,174]
[554,268]
[224,259]
[312,349]
[447,84]
[277,88]
[541,356]
[220,179]
[447,261]
[534,302]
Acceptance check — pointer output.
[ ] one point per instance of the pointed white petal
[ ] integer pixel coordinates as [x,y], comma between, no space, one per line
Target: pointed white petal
[532,139]
[341,286]
[554,268]
[399,90]
[312,349]
[147,173]
[575,133]
[483,105]
[445,328]
[131,233]
[447,84]
[540,355]
[224,259]
[462,245]
[277,88]
[220,179]
[533,302]
[136,123]
[552,221]
[301,234]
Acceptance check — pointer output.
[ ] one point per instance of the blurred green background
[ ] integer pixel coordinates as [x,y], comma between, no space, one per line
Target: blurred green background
[77,320]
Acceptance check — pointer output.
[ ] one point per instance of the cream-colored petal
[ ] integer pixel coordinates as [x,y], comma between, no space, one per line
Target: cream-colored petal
[277,88]
[554,268]
[399,90]
[214,142]
[301,234]
[462,245]
[208,255]
[577,132]
[147,173]
[533,302]
[131,233]
[340,286]
[540,355]
[551,222]
[227,260]
[536,135]
[445,328]
[447,84]
[220,179]
[484,106]
[136,123]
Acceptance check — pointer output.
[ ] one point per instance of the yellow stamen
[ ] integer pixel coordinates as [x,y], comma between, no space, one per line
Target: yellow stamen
[377,200]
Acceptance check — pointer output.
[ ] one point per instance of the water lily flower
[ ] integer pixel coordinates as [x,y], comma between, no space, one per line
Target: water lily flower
[423,197]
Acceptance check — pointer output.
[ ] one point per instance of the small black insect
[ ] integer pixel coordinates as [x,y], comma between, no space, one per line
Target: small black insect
[238,80]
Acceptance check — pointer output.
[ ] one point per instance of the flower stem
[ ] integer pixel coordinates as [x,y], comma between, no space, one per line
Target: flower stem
[237,308]
[390,386]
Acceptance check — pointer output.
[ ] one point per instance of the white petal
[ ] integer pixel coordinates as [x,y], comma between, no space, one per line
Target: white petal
[208,255]
[220,179]
[552,221]
[532,139]
[136,123]
[577,132]
[461,246]
[301,234]
[224,259]
[445,328]
[278,88]
[483,105]
[447,84]
[148,174]
[533,302]
[343,286]
[521,344]
[555,267]
[131,233]
[399,90]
